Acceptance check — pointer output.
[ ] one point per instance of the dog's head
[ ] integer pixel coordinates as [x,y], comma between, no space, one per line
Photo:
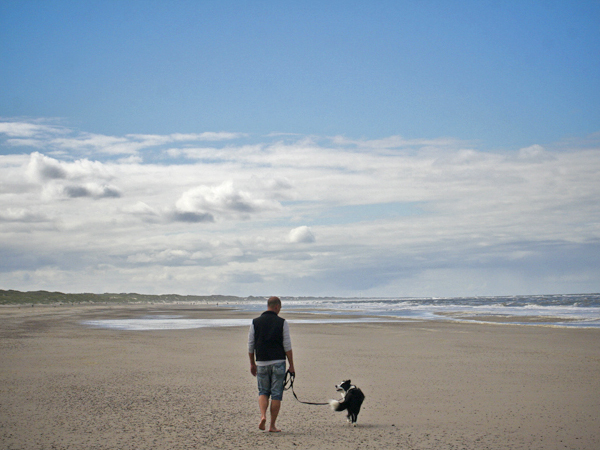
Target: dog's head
[343,386]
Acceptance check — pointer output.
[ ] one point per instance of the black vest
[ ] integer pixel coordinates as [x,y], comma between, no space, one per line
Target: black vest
[268,337]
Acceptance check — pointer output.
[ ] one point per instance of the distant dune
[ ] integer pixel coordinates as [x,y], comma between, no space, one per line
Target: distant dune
[11,297]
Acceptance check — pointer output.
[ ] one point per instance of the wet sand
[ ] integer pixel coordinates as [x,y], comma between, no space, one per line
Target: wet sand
[428,385]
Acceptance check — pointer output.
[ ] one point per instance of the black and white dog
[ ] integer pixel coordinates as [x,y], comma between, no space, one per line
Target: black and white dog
[352,398]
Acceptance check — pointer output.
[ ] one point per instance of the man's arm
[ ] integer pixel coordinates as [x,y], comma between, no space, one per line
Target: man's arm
[290,357]
[252,364]
[287,346]
[251,350]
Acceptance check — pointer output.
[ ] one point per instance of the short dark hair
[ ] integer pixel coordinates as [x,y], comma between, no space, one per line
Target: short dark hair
[273,301]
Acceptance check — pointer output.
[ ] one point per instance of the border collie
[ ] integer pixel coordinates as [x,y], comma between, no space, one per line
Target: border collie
[352,398]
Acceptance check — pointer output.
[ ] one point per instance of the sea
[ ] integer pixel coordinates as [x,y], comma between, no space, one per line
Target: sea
[574,311]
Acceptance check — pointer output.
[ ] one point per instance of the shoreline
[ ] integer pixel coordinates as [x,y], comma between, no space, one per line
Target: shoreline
[569,311]
[435,384]
[320,314]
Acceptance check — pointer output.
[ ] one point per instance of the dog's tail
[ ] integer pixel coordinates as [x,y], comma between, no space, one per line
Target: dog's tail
[337,406]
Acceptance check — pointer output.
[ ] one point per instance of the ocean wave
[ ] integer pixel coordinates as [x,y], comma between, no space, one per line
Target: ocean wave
[577,309]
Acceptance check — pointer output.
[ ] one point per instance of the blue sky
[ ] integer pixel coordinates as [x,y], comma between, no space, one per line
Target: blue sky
[303,148]
[507,74]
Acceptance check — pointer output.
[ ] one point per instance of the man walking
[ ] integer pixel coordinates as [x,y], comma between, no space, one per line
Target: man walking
[269,338]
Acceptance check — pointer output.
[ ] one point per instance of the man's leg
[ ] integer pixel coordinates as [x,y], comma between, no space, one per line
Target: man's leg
[277,383]
[275,405]
[263,404]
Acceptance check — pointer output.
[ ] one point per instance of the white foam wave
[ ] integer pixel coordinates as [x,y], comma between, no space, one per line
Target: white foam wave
[554,308]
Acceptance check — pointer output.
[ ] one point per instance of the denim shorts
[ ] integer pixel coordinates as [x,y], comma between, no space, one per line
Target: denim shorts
[270,380]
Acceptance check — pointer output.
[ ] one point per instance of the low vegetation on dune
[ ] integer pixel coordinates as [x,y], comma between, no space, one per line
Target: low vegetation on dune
[11,297]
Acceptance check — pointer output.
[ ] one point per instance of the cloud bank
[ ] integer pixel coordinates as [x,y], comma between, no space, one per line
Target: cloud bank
[228,213]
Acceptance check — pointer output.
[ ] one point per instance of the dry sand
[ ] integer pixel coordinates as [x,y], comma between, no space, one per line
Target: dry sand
[427,385]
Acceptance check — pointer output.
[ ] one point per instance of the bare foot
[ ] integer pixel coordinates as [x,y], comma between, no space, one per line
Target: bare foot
[274,430]
[261,425]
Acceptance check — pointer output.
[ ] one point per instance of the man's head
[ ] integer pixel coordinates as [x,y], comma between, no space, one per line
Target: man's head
[274,304]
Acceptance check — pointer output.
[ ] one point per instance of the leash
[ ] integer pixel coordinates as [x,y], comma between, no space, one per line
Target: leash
[289,384]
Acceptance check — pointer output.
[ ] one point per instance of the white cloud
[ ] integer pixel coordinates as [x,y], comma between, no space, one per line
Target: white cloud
[133,159]
[396,142]
[239,154]
[390,214]
[60,139]
[208,136]
[301,235]
[42,168]
[223,200]
[91,190]
[21,215]
[168,256]
[23,130]
[141,209]
[191,216]
[534,153]
[81,178]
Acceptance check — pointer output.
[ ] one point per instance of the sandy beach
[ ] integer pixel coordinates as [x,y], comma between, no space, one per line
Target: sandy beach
[428,385]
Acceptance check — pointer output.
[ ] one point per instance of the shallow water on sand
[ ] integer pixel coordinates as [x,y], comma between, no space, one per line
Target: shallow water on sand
[580,311]
[181,323]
